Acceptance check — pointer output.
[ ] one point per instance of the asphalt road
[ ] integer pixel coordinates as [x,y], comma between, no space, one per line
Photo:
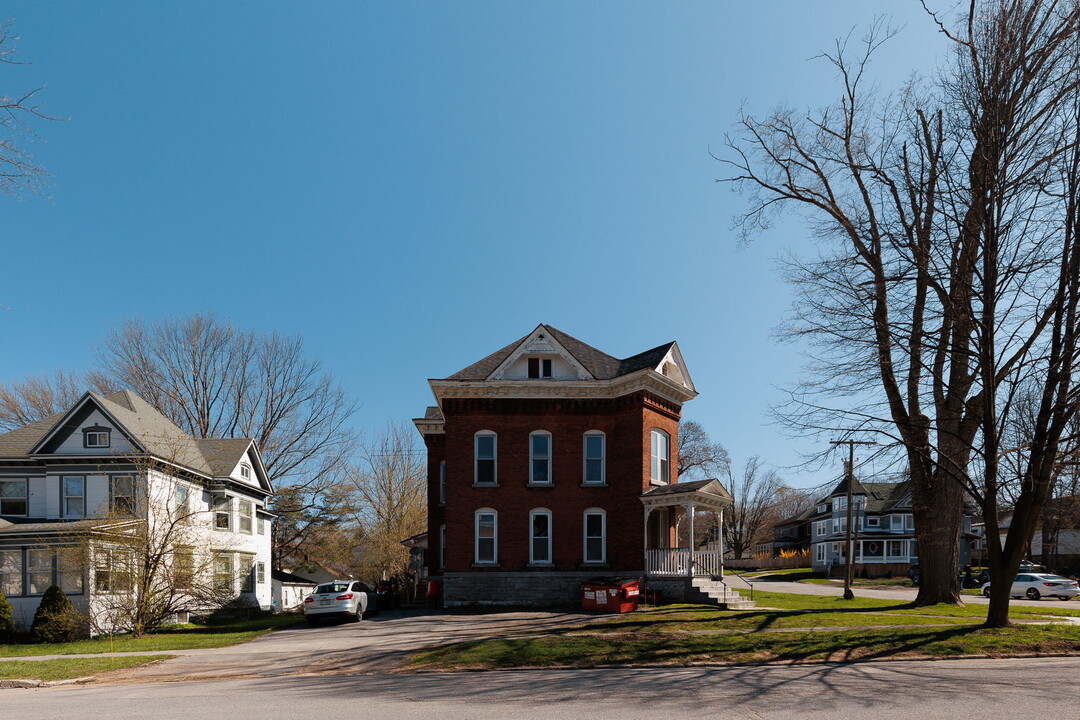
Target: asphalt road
[890,593]
[1047,687]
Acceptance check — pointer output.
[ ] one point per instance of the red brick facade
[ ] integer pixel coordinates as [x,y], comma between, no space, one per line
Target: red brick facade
[626,422]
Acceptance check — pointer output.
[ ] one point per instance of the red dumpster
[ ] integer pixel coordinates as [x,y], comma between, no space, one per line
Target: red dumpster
[616,595]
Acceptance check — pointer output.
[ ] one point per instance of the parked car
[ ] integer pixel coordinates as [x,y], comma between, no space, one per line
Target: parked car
[1033,586]
[350,599]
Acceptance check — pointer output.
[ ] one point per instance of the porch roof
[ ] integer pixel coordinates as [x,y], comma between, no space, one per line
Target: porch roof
[702,493]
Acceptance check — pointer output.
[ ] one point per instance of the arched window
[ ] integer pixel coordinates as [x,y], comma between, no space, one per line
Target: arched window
[486,550]
[540,537]
[485,471]
[594,530]
[540,458]
[593,452]
[661,457]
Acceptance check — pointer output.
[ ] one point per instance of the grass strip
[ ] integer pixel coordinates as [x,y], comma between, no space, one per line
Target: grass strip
[48,670]
[661,648]
[180,637]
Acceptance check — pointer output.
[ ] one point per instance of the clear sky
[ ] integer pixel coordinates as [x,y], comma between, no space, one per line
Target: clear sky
[411,186]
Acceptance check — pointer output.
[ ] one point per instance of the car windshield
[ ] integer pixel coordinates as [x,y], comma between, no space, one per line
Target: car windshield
[331,588]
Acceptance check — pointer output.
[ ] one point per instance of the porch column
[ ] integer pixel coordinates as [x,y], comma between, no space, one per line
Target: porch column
[690,566]
[720,537]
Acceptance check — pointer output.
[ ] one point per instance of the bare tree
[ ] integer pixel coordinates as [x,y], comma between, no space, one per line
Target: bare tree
[39,396]
[754,496]
[699,456]
[19,173]
[215,380]
[390,482]
[946,272]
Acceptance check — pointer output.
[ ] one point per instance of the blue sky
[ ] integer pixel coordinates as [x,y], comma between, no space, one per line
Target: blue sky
[410,186]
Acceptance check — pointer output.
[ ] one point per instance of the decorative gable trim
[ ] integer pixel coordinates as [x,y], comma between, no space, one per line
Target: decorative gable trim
[540,340]
[677,371]
[63,423]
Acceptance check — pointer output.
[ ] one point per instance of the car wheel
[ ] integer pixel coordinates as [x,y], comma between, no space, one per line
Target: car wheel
[986,591]
[1033,594]
[359,613]
[1064,597]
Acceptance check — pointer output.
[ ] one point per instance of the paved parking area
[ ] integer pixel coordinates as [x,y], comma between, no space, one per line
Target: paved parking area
[374,645]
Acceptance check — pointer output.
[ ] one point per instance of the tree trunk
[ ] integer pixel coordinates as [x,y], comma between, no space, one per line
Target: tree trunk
[938,517]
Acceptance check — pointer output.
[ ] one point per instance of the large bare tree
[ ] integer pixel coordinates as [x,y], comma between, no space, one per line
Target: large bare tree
[946,270]
[699,456]
[755,493]
[19,172]
[39,396]
[390,484]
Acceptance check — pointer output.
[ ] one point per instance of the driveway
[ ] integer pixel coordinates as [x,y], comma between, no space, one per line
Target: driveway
[373,645]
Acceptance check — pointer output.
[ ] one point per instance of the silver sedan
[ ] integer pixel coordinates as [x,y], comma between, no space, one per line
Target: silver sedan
[1033,586]
[350,599]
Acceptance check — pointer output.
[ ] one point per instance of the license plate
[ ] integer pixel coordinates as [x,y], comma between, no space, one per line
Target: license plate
[324,602]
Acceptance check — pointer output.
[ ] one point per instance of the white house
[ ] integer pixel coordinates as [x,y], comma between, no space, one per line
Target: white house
[113,464]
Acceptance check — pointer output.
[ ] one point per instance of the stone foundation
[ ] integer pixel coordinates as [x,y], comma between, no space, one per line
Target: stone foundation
[528,589]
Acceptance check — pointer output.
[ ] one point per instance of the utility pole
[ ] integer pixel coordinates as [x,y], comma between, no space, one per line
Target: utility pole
[849,542]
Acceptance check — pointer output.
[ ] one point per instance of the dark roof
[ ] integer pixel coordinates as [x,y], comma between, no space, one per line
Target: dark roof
[222,455]
[433,413]
[286,577]
[601,365]
[24,526]
[148,428]
[801,517]
[686,487]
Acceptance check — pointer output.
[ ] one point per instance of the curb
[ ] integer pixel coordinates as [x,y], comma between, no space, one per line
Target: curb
[11,684]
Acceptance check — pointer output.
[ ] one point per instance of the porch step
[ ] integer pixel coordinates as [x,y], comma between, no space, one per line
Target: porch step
[712,592]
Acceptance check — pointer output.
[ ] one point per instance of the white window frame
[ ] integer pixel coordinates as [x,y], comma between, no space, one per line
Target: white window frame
[494,537]
[11,572]
[245,471]
[534,459]
[545,368]
[819,552]
[659,462]
[245,516]
[115,498]
[585,458]
[585,537]
[873,521]
[896,523]
[182,507]
[494,458]
[222,506]
[97,433]
[25,497]
[533,560]
[65,496]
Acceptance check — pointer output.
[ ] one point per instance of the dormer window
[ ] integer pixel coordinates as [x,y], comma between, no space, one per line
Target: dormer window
[245,471]
[96,436]
[539,368]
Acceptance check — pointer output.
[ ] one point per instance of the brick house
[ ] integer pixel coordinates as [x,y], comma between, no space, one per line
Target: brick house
[550,463]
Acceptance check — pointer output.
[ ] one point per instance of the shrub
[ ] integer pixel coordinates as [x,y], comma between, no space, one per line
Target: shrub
[55,620]
[7,620]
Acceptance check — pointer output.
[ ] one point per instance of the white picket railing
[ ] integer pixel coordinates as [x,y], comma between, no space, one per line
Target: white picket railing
[676,562]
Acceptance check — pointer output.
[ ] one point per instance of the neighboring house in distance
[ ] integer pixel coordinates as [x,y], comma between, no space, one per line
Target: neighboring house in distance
[289,590]
[886,530]
[114,462]
[793,534]
[550,463]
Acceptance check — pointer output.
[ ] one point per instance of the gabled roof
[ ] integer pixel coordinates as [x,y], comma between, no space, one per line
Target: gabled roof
[147,429]
[598,363]
[710,491]
[289,578]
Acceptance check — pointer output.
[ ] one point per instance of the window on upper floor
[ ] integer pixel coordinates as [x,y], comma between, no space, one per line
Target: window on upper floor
[660,466]
[182,502]
[873,522]
[122,495]
[245,471]
[74,496]
[486,550]
[540,458]
[539,367]
[593,472]
[13,497]
[246,515]
[486,452]
[222,506]
[540,536]
[96,436]
[595,535]
[839,503]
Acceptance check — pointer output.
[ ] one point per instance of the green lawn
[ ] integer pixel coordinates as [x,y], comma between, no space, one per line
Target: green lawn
[72,668]
[615,648]
[695,633]
[182,637]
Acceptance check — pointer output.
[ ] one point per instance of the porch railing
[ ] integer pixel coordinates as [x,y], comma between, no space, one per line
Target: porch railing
[676,562]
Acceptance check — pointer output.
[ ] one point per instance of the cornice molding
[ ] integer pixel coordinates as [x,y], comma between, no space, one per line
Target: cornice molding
[647,380]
